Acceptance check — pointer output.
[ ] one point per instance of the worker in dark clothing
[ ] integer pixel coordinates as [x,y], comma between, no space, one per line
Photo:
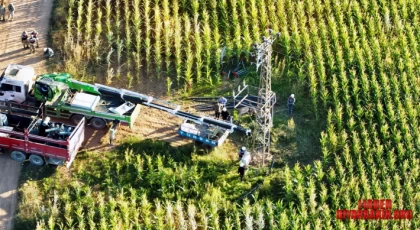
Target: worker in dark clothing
[218,110]
[241,170]
[291,103]
[25,41]
[225,114]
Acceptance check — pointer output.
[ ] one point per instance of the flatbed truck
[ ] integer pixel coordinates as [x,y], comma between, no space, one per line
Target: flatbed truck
[40,140]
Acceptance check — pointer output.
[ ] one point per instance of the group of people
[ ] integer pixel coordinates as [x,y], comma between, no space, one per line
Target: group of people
[10,8]
[220,109]
[29,40]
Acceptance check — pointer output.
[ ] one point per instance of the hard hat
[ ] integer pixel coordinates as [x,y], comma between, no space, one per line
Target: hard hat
[243,148]
[224,109]
[293,96]
[45,49]
[241,164]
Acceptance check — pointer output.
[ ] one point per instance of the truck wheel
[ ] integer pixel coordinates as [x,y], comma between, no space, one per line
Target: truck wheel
[18,156]
[97,123]
[75,119]
[36,160]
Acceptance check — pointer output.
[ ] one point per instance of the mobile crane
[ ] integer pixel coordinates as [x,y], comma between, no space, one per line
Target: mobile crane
[60,96]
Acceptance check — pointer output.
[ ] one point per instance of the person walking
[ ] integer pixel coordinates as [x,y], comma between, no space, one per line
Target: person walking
[11,9]
[225,114]
[2,12]
[217,110]
[34,34]
[48,53]
[24,38]
[32,44]
[291,103]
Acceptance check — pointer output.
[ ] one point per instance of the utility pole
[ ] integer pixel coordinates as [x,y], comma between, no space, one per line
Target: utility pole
[264,105]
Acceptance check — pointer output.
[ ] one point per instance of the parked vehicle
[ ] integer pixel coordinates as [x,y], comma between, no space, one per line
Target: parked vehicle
[40,140]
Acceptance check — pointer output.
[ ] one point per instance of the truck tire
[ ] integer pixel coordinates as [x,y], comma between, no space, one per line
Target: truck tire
[97,123]
[36,160]
[18,156]
[76,118]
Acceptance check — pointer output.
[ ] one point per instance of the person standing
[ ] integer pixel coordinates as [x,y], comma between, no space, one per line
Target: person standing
[242,152]
[291,103]
[217,110]
[2,12]
[25,40]
[34,34]
[225,114]
[111,136]
[11,9]
[32,44]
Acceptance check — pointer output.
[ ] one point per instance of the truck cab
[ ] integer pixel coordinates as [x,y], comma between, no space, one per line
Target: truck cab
[16,82]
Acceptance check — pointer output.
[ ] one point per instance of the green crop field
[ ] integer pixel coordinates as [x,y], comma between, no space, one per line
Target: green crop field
[352,64]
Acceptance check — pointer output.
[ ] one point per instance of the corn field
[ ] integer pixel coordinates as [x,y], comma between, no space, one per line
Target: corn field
[358,62]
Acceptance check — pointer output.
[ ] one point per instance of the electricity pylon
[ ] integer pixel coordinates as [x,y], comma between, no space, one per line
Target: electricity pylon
[264,106]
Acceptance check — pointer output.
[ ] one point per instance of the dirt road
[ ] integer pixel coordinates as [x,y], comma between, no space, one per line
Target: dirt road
[29,15]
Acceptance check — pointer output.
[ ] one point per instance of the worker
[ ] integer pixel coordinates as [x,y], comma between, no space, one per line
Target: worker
[32,44]
[11,9]
[3,12]
[25,40]
[242,152]
[217,110]
[34,34]
[291,103]
[241,170]
[48,52]
[225,114]
[223,101]
[111,136]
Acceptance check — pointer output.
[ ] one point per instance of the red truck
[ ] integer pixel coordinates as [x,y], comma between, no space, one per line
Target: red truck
[40,140]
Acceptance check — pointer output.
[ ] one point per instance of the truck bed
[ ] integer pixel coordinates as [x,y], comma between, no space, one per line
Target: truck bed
[57,145]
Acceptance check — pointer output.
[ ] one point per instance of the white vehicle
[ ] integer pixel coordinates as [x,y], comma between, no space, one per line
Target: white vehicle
[16,82]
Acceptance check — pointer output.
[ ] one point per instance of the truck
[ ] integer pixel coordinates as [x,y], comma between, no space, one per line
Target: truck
[20,85]
[40,140]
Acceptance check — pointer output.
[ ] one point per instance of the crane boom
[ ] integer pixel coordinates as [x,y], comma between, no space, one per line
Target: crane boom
[138,98]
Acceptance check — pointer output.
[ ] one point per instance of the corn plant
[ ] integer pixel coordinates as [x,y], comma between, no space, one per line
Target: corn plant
[79,21]
[158,43]
[98,32]
[108,23]
[147,41]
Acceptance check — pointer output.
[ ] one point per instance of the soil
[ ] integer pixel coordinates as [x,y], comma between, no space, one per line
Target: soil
[29,15]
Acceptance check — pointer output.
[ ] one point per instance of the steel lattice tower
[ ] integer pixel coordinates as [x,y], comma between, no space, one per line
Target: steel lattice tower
[266,98]
[264,107]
